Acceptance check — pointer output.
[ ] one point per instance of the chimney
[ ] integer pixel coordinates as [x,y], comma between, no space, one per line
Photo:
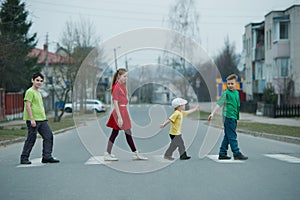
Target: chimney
[45,47]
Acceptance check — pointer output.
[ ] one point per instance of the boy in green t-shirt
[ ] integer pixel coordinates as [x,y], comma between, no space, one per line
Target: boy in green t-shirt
[175,130]
[230,101]
[36,121]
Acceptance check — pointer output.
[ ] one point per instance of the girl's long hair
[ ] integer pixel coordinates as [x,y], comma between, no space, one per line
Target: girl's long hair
[118,73]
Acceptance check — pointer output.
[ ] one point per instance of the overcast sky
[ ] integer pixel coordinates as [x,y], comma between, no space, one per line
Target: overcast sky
[218,18]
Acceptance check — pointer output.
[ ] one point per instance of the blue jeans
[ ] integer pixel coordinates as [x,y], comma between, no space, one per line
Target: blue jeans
[230,137]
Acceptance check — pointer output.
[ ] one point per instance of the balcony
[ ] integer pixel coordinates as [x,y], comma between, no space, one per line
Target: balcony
[258,86]
[260,53]
[281,48]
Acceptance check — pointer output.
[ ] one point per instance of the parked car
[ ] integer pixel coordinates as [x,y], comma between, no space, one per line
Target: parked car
[92,105]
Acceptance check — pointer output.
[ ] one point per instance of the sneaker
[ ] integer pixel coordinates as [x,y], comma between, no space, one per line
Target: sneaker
[49,160]
[240,156]
[169,158]
[25,162]
[110,157]
[138,156]
[224,157]
[185,157]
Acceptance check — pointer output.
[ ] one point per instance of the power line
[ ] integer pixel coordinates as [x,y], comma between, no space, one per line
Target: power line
[97,9]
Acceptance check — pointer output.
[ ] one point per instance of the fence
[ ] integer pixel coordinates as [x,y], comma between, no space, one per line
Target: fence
[2,104]
[248,107]
[14,105]
[287,111]
[281,111]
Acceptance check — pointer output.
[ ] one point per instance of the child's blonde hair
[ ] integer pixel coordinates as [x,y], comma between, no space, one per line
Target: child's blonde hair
[232,77]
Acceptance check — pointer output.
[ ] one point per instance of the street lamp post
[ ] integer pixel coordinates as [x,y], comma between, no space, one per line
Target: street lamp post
[115,54]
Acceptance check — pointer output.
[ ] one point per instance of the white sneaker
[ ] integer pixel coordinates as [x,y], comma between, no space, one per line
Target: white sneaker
[109,157]
[138,156]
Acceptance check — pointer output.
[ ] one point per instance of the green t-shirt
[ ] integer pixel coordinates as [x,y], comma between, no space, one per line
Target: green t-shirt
[37,106]
[176,119]
[230,100]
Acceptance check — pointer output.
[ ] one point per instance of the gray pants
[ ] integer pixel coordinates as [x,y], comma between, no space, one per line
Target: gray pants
[176,141]
[47,135]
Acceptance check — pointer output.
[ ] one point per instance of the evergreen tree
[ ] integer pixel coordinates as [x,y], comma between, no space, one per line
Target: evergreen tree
[16,67]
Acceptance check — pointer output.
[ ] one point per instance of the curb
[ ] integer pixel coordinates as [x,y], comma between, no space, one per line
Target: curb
[4,143]
[287,139]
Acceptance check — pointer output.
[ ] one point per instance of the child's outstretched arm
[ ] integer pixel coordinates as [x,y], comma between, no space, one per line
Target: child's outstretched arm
[165,124]
[193,109]
[213,112]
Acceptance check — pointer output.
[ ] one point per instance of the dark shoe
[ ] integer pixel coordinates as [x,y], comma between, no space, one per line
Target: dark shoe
[25,162]
[169,158]
[50,160]
[240,156]
[224,157]
[184,156]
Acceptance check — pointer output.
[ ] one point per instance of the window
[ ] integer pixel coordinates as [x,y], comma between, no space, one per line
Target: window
[284,67]
[283,30]
[270,39]
[259,71]
[281,27]
[267,39]
[281,67]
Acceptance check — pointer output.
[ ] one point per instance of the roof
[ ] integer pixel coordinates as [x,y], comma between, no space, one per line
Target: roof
[284,10]
[53,58]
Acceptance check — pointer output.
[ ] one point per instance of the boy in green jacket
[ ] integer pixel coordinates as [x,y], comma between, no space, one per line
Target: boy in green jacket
[230,101]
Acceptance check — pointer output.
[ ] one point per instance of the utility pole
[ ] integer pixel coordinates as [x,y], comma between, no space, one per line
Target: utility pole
[46,60]
[126,63]
[115,53]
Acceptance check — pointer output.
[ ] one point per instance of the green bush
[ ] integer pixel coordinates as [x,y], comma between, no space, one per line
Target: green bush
[269,96]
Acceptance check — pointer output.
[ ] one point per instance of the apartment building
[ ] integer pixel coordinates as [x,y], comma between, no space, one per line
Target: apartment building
[271,50]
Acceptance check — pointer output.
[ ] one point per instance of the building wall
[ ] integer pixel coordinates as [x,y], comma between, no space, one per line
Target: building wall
[295,48]
[275,50]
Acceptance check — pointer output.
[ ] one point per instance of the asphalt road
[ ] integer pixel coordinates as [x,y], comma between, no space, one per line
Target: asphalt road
[272,171]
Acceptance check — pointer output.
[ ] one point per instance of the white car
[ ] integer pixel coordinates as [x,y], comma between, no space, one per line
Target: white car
[92,105]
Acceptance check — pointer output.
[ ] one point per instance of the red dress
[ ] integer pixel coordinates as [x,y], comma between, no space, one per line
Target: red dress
[119,93]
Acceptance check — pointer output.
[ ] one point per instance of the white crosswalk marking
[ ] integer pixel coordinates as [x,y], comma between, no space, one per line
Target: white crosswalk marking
[34,163]
[215,158]
[99,160]
[160,158]
[96,160]
[284,157]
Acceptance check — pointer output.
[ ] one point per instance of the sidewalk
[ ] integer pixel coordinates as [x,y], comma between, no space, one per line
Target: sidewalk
[208,107]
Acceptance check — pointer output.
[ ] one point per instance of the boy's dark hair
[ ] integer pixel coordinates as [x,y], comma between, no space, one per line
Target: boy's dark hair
[37,74]
[232,76]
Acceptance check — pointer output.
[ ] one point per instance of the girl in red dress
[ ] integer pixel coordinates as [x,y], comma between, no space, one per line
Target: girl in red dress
[119,118]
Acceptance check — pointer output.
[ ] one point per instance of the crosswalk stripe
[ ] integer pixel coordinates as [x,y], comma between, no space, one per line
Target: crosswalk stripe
[99,160]
[96,160]
[34,163]
[215,158]
[284,157]
[160,158]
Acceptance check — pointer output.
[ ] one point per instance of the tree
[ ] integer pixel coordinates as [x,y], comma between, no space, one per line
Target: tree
[15,45]
[227,60]
[183,18]
[78,40]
